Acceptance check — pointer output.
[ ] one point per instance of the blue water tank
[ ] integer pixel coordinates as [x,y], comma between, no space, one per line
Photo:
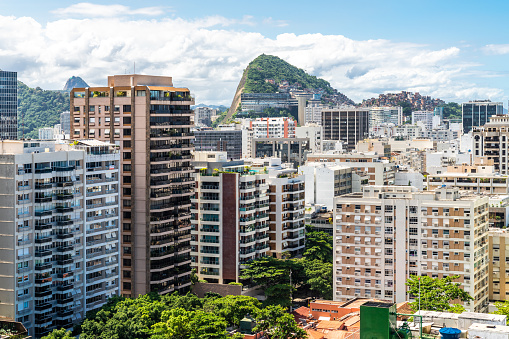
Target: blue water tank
[450,333]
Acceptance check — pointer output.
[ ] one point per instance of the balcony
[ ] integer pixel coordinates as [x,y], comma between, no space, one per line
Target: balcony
[43,213]
[43,307]
[41,267]
[64,209]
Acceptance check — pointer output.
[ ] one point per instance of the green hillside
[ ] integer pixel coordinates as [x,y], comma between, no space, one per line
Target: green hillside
[271,67]
[39,108]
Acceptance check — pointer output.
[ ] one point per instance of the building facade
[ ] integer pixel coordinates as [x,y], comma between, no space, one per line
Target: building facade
[65,122]
[426,117]
[384,235]
[258,102]
[292,150]
[60,245]
[203,116]
[385,115]
[498,264]
[230,217]
[149,120]
[230,141]
[8,105]
[287,229]
[325,181]
[491,142]
[476,113]
[349,125]
[282,127]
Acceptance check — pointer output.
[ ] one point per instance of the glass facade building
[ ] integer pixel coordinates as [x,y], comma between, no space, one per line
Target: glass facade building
[477,112]
[8,105]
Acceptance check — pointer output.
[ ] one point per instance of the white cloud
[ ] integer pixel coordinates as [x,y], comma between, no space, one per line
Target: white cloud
[496,49]
[87,9]
[209,59]
[277,23]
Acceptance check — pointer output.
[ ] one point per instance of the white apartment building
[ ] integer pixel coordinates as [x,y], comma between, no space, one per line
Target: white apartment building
[314,133]
[448,157]
[384,115]
[313,112]
[230,217]
[281,127]
[325,181]
[384,235]
[59,238]
[426,117]
[408,132]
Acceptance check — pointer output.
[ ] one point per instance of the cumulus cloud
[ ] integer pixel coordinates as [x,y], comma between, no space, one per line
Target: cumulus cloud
[87,9]
[496,49]
[209,54]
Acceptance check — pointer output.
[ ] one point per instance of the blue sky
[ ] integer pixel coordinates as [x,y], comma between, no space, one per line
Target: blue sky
[455,50]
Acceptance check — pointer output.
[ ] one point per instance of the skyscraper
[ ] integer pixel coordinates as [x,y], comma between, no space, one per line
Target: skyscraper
[349,125]
[8,105]
[150,121]
[477,112]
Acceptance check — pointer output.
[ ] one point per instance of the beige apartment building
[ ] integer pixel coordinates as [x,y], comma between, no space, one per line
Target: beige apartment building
[478,179]
[150,121]
[386,234]
[499,264]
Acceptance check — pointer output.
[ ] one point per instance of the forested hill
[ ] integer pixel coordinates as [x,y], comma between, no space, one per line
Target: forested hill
[39,108]
[270,74]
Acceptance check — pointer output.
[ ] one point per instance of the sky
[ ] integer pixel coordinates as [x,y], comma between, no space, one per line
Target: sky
[452,50]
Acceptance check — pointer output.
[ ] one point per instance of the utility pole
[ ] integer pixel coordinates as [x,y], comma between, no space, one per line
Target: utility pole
[291,291]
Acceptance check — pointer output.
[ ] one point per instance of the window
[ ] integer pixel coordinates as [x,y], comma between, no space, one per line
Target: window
[106,108]
[126,155]
[91,120]
[388,218]
[107,120]
[126,179]
[126,167]
[126,108]
[127,120]
[141,93]
[127,143]
[127,131]
[388,208]
[126,191]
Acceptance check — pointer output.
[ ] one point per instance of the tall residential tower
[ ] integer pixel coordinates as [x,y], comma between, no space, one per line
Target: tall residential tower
[150,120]
[8,105]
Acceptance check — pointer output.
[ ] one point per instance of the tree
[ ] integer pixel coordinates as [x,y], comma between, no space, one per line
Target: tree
[319,277]
[436,294]
[278,324]
[503,309]
[318,246]
[233,307]
[407,108]
[59,334]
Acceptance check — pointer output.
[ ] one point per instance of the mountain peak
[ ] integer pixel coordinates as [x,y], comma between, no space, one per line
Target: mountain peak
[74,82]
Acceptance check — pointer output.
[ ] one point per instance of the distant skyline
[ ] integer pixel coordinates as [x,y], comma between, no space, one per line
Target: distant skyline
[453,50]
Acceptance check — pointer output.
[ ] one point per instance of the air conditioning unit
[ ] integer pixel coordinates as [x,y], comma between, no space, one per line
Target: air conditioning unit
[467,270]
[435,235]
[424,224]
[377,232]
[435,268]
[446,214]
[435,213]
[435,246]
[435,257]
[357,231]
[357,294]
[424,246]
[446,224]
[377,275]
[357,284]
[357,273]
[446,236]
[424,235]
[377,286]
[377,264]
[377,212]
[367,232]
[446,247]
[425,257]
[367,285]
[446,258]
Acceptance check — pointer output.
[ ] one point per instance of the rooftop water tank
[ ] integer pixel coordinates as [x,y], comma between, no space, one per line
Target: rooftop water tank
[450,333]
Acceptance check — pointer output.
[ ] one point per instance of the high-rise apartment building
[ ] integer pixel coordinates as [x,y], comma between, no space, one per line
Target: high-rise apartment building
[59,242]
[287,230]
[203,116]
[476,113]
[499,264]
[8,105]
[325,181]
[230,217]
[384,115]
[281,127]
[313,112]
[149,119]
[385,234]
[491,142]
[349,125]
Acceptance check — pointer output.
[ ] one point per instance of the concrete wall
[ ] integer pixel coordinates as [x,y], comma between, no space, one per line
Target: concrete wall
[200,289]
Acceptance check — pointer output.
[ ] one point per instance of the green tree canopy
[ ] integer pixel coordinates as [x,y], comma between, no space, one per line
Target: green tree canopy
[436,294]
[318,246]
[503,309]
[59,334]
[278,324]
